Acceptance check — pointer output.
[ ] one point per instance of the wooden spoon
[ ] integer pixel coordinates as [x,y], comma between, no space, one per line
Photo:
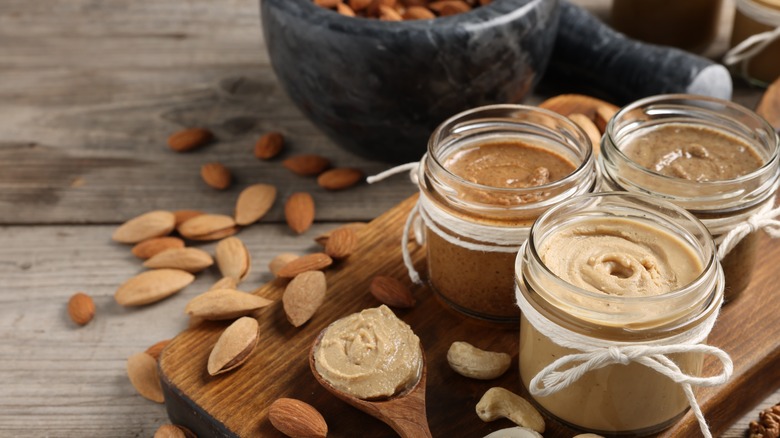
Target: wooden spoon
[404,412]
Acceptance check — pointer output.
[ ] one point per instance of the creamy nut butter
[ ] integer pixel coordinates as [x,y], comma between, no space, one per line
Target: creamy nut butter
[371,354]
[606,283]
[712,157]
[489,173]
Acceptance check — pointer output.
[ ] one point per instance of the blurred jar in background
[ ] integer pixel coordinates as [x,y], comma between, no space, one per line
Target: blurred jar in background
[688,24]
[755,40]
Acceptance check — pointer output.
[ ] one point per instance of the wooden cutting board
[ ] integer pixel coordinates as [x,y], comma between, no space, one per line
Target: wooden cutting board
[236,403]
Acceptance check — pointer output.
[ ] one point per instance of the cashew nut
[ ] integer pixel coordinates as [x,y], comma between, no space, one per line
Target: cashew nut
[469,361]
[501,403]
[514,432]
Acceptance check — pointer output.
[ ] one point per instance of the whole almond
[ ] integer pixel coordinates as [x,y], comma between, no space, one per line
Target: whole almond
[188,139]
[391,292]
[205,225]
[216,175]
[345,10]
[234,346]
[299,212]
[224,283]
[185,215]
[769,105]
[341,243]
[81,308]
[173,431]
[449,7]
[327,3]
[254,202]
[156,349]
[309,262]
[303,296]
[322,239]
[280,261]
[359,5]
[566,104]
[152,286]
[388,13]
[306,164]
[224,304]
[590,128]
[216,235]
[339,178]
[191,260]
[150,247]
[142,371]
[418,13]
[233,258]
[297,419]
[152,224]
[602,117]
[271,143]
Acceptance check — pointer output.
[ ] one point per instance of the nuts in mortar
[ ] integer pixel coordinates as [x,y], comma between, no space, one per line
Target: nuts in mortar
[396,10]
[470,361]
[501,403]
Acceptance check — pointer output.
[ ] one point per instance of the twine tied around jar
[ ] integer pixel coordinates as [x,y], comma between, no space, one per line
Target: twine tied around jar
[750,47]
[764,219]
[595,354]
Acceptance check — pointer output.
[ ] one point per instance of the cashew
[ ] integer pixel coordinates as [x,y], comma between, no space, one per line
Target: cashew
[501,403]
[514,432]
[469,361]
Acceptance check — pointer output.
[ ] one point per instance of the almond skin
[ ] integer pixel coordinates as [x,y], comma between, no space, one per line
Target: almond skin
[142,371]
[205,225]
[216,235]
[322,239]
[146,226]
[270,144]
[297,419]
[234,346]
[191,260]
[152,286]
[156,349]
[299,212]
[341,243]
[309,262]
[391,292]
[233,258]
[306,164]
[254,202]
[222,304]
[339,178]
[216,175]
[151,247]
[81,308]
[303,296]
[281,261]
[185,215]
[189,139]
[449,7]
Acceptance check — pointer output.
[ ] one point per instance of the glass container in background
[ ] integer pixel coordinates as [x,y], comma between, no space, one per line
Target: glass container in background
[760,20]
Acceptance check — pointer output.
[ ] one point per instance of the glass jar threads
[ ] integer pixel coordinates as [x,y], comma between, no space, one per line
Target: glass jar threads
[488,174]
[712,157]
[618,293]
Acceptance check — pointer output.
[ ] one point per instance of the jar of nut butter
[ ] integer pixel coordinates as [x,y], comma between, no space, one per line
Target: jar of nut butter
[712,157]
[755,40]
[618,294]
[488,174]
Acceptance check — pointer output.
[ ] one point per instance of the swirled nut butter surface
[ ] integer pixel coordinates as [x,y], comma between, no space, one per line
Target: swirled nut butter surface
[371,354]
[691,152]
[620,256]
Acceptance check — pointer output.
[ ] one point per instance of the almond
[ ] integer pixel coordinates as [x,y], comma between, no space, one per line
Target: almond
[306,164]
[418,13]
[156,349]
[310,262]
[449,7]
[297,419]
[566,104]
[185,215]
[603,115]
[191,260]
[322,239]
[224,304]
[590,128]
[387,13]
[327,3]
[303,296]
[342,243]
[152,286]
[299,212]
[280,261]
[234,346]
[225,283]
[254,202]
[391,292]
[340,178]
[81,308]
[188,139]
[769,106]
[173,431]
[359,5]
[152,224]
[345,10]
[142,371]
[205,225]
[233,258]
[151,247]
[216,175]
[270,144]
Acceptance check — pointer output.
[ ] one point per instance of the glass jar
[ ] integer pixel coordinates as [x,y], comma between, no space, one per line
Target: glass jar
[622,395]
[689,24]
[474,230]
[720,204]
[756,17]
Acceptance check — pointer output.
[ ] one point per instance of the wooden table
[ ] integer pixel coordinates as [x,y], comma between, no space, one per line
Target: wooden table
[89,92]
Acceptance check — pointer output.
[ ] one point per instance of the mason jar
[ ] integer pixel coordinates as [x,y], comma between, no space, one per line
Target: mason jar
[758,19]
[488,174]
[688,127]
[608,282]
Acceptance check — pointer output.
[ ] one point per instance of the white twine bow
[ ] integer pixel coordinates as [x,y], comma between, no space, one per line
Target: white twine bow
[766,220]
[750,47]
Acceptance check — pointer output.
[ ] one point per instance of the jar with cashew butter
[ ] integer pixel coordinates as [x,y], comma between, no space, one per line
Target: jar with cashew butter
[488,174]
[712,157]
[618,293]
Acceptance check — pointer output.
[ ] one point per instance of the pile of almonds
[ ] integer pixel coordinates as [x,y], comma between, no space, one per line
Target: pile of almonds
[397,10]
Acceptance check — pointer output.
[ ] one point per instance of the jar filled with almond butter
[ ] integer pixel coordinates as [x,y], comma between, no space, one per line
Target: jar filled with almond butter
[757,30]
[488,174]
[712,157]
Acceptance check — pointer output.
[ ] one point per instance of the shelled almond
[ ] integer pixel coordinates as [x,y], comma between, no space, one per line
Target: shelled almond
[142,372]
[270,144]
[224,304]
[254,202]
[156,349]
[309,262]
[299,212]
[81,308]
[208,227]
[306,164]
[189,139]
[341,243]
[303,296]
[339,178]
[395,10]
[192,260]
[151,247]
[233,258]
[152,286]
[391,292]
[297,419]
[146,226]
[216,175]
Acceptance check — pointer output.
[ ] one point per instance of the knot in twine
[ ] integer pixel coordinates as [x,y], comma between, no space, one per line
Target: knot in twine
[766,220]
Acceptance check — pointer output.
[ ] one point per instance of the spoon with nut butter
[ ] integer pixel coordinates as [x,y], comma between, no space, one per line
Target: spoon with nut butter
[373,361]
